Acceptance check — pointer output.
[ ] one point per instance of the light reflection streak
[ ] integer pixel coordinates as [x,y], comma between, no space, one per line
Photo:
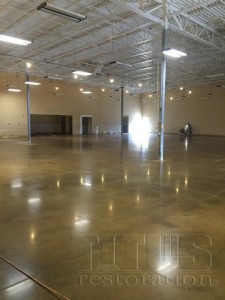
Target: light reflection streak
[16,183]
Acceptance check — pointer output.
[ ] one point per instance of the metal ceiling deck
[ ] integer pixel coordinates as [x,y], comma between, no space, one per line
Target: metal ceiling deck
[119,30]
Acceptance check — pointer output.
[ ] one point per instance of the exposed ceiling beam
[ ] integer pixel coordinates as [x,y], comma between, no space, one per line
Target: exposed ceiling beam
[193,28]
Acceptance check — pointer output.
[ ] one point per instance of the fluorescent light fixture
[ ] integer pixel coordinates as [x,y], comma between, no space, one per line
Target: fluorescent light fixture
[58,11]
[32,82]
[174,53]
[215,75]
[53,77]
[120,64]
[81,73]
[13,40]
[15,90]
[86,92]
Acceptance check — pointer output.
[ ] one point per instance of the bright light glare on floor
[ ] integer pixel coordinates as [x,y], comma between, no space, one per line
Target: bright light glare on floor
[16,183]
[85,182]
[34,200]
[162,267]
[19,287]
[140,129]
[81,222]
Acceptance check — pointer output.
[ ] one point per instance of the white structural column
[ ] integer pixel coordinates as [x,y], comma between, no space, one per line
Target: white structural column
[28,106]
[163,86]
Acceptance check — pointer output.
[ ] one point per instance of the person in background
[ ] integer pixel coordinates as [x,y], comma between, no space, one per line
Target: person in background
[188,129]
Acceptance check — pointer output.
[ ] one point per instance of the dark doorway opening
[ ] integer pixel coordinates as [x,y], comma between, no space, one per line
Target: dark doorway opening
[51,125]
[86,125]
[125,126]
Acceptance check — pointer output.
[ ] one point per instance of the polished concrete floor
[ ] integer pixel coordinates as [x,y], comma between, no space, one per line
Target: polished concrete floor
[101,218]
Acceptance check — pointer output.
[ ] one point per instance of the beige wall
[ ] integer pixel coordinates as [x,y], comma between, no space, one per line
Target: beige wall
[103,106]
[204,109]
[13,111]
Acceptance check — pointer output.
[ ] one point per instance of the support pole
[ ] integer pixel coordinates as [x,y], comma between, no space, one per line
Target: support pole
[163,87]
[28,106]
[121,100]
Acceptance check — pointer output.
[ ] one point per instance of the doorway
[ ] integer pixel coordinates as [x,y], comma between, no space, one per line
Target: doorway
[125,126]
[86,125]
[51,125]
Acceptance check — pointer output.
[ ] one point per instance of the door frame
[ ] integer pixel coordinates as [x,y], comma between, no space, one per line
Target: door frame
[81,121]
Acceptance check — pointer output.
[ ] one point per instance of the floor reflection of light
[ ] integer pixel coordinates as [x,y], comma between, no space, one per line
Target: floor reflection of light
[32,236]
[19,287]
[162,267]
[58,184]
[103,179]
[110,207]
[85,182]
[177,190]
[186,144]
[34,200]
[169,173]
[16,183]
[148,173]
[139,130]
[125,176]
[186,181]
[81,222]
[138,198]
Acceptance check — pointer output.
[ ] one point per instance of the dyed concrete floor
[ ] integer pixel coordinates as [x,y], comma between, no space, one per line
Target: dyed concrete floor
[102,218]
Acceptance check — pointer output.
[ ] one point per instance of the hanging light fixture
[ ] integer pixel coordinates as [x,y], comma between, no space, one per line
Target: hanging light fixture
[58,11]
